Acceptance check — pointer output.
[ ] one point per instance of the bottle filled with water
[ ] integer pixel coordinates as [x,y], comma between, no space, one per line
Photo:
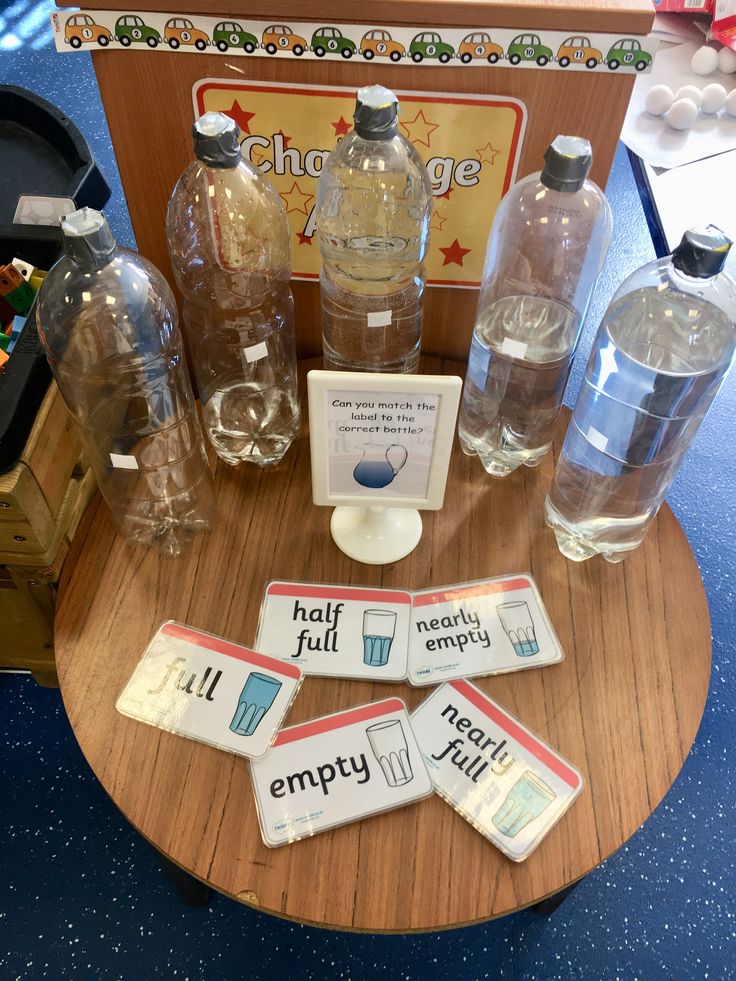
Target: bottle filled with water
[660,355]
[374,203]
[228,240]
[108,323]
[546,248]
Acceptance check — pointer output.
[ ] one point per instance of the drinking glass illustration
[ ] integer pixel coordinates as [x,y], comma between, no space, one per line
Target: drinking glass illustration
[517,622]
[379,464]
[388,743]
[256,698]
[526,800]
[379,627]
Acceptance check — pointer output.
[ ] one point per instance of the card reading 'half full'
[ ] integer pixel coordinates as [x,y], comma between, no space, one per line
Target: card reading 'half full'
[337,631]
[494,771]
[479,628]
[201,686]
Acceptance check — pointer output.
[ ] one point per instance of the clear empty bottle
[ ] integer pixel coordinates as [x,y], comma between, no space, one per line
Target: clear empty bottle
[228,240]
[374,203]
[108,323]
[546,248]
[661,352]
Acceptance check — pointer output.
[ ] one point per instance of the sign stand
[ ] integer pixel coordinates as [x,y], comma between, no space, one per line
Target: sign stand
[380,447]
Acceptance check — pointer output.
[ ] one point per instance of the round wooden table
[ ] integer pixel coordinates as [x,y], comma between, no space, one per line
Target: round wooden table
[624,705]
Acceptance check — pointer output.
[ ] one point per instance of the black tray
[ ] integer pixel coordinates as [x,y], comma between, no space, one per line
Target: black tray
[42,152]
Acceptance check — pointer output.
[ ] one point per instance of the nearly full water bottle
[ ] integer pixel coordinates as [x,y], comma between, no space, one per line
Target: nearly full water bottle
[229,245]
[108,323]
[546,248]
[661,352]
[374,202]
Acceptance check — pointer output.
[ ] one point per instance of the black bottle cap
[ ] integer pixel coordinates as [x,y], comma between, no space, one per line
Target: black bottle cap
[702,252]
[88,240]
[376,113]
[216,140]
[566,163]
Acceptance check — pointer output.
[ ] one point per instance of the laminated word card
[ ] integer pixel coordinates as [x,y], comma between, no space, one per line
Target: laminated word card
[337,631]
[479,628]
[337,769]
[496,773]
[197,685]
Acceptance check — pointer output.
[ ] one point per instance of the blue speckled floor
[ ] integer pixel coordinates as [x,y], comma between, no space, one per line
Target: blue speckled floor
[81,894]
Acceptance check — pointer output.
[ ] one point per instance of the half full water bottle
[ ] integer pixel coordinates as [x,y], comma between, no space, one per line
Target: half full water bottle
[546,248]
[228,240]
[374,202]
[108,323]
[659,357]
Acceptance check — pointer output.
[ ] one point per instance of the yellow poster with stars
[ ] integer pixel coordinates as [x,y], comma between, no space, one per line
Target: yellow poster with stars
[470,144]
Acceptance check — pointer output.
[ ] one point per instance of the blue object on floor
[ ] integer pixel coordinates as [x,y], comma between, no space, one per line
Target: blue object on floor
[82,894]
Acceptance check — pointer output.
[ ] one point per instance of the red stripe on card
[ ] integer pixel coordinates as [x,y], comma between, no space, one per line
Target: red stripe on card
[232,650]
[513,729]
[330,722]
[483,589]
[337,592]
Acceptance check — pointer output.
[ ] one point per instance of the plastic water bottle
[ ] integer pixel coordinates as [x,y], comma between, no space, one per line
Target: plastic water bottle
[547,246]
[108,323]
[374,202]
[661,352]
[228,240]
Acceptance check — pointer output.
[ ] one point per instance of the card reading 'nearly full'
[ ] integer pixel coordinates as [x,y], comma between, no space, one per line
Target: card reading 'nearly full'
[337,631]
[197,685]
[337,769]
[494,771]
[479,628]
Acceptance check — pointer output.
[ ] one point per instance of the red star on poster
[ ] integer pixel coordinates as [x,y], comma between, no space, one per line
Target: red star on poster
[304,239]
[447,193]
[454,253]
[341,127]
[296,199]
[284,137]
[241,117]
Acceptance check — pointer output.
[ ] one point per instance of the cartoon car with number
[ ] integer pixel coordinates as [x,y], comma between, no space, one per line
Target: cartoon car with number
[131,29]
[230,34]
[429,44]
[628,52]
[380,44]
[578,49]
[330,39]
[81,29]
[479,45]
[179,30]
[528,47]
[279,37]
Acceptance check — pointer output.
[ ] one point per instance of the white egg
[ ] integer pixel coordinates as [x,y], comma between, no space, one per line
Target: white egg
[691,92]
[682,114]
[658,99]
[713,98]
[727,61]
[731,103]
[704,61]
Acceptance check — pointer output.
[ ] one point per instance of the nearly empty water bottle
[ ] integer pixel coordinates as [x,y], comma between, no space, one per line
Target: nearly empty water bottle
[546,248]
[661,352]
[374,202]
[108,323]
[229,245]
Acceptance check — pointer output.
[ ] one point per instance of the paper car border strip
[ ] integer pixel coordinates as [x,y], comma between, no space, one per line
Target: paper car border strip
[231,36]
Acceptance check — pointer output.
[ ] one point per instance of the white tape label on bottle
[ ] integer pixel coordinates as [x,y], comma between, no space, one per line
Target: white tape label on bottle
[379,318]
[514,349]
[122,461]
[596,439]
[256,352]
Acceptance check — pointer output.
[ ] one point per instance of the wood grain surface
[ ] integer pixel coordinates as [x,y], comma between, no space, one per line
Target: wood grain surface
[624,705]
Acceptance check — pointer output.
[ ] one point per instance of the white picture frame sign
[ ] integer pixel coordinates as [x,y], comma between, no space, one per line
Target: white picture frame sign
[380,449]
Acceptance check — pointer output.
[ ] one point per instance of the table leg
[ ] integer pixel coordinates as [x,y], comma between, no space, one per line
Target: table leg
[550,904]
[191,890]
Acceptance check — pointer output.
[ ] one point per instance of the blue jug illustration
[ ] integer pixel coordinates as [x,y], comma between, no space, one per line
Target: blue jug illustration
[379,464]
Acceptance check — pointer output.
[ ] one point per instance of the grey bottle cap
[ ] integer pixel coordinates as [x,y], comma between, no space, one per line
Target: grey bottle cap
[702,252]
[567,163]
[87,238]
[376,113]
[216,140]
